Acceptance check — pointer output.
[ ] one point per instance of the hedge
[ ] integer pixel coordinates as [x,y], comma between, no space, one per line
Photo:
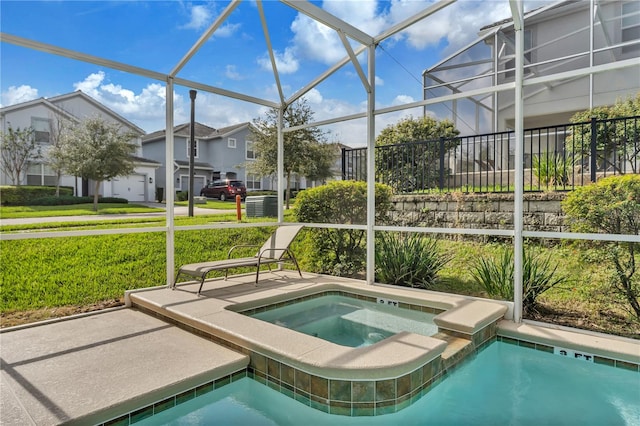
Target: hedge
[24,195]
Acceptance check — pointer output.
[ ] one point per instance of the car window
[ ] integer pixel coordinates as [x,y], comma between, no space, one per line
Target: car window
[236,183]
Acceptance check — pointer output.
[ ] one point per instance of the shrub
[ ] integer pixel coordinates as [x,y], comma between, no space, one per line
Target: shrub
[339,252]
[71,200]
[24,195]
[496,277]
[611,205]
[410,260]
[182,195]
[551,169]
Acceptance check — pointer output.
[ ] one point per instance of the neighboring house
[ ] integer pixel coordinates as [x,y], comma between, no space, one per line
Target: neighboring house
[219,154]
[43,115]
[559,38]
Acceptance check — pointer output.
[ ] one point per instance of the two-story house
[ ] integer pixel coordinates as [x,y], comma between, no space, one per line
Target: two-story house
[219,154]
[563,42]
[43,115]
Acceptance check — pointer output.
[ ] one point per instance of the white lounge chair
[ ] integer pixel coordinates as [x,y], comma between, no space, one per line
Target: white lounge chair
[275,250]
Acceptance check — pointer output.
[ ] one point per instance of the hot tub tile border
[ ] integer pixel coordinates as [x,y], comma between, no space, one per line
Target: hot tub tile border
[351,294]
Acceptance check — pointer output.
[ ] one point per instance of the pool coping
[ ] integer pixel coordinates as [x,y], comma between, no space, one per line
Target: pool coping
[384,377]
[391,358]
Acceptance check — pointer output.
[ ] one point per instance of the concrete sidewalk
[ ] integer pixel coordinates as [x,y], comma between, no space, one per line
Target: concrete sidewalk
[94,368]
[177,211]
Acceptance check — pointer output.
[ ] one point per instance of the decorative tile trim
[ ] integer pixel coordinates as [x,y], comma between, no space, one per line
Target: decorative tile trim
[597,359]
[345,397]
[177,399]
[402,305]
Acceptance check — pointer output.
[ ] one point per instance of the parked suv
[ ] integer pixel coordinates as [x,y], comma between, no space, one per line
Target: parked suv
[224,189]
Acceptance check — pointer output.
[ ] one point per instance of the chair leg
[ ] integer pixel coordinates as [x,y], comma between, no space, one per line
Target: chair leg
[175,281]
[201,284]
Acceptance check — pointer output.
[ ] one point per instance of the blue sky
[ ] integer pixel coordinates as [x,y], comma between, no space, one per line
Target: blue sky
[156,34]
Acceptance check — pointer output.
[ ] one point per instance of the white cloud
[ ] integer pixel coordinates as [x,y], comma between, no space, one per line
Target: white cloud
[227,30]
[15,95]
[402,99]
[315,41]
[146,108]
[200,17]
[286,62]
[379,81]
[313,96]
[231,72]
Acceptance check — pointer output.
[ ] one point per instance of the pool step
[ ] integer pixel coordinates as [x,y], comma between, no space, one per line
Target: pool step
[457,349]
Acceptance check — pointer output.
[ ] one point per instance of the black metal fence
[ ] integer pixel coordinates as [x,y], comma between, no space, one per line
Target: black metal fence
[555,158]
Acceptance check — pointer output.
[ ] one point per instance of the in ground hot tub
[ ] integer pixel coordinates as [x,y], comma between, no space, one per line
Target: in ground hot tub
[347,319]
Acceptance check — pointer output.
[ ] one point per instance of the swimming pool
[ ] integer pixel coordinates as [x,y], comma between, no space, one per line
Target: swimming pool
[348,321]
[503,384]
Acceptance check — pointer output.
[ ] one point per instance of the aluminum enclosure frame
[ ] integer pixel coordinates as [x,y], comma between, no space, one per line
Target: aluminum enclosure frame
[367,46]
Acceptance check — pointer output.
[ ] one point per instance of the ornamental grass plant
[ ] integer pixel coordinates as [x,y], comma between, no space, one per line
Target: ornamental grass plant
[408,259]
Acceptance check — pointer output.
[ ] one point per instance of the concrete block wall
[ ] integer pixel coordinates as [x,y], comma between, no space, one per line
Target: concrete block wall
[542,211]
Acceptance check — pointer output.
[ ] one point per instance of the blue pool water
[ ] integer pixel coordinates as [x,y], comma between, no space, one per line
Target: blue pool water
[504,385]
[348,321]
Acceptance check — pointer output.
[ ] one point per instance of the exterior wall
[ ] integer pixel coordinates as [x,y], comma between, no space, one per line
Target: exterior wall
[80,108]
[566,33]
[214,151]
[542,211]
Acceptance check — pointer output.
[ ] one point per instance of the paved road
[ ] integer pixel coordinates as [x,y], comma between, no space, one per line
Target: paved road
[178,211]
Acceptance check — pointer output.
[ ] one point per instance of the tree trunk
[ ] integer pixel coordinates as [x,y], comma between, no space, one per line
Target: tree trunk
[287,194]
[58,177]
[95,196]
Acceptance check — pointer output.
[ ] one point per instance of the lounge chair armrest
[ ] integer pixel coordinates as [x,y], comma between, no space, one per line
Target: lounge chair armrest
[239,246]
[285,249]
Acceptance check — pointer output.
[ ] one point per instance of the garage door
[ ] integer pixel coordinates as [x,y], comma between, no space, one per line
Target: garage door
[129,187]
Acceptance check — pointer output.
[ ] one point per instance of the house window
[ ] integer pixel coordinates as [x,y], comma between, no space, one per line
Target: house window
[41,174]
[196,144]
[231,142]
[41,129]
[631,25]
[510,65]
[251,154]
[253,181]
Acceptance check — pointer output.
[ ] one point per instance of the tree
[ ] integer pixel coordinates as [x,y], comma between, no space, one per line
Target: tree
[306,152]
[408,152]
[611,205]
[56,158]
[617,132]
[97,150]
[18,147]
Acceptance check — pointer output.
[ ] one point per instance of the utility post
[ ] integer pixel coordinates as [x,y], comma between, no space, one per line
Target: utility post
[192,149]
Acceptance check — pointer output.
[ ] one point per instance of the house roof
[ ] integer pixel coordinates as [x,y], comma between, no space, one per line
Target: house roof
[532,12]
[108,111]
[145,160]
[53,103]
[202,131]
[43,101]
[196,164]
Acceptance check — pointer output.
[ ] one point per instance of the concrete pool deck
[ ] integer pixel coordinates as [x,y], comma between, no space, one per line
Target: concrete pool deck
[92,368]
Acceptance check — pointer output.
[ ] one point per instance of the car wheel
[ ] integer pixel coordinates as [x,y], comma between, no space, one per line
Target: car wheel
[223,197]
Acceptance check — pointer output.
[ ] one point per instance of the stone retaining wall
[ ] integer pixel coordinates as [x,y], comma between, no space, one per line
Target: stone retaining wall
[542,211]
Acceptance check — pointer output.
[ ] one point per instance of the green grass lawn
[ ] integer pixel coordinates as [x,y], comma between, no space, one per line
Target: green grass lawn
[212,204]
[13,212]
[45,274]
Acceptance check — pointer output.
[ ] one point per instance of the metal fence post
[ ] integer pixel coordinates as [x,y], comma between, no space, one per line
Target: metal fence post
[594,139]
[344,164]
[441,180]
